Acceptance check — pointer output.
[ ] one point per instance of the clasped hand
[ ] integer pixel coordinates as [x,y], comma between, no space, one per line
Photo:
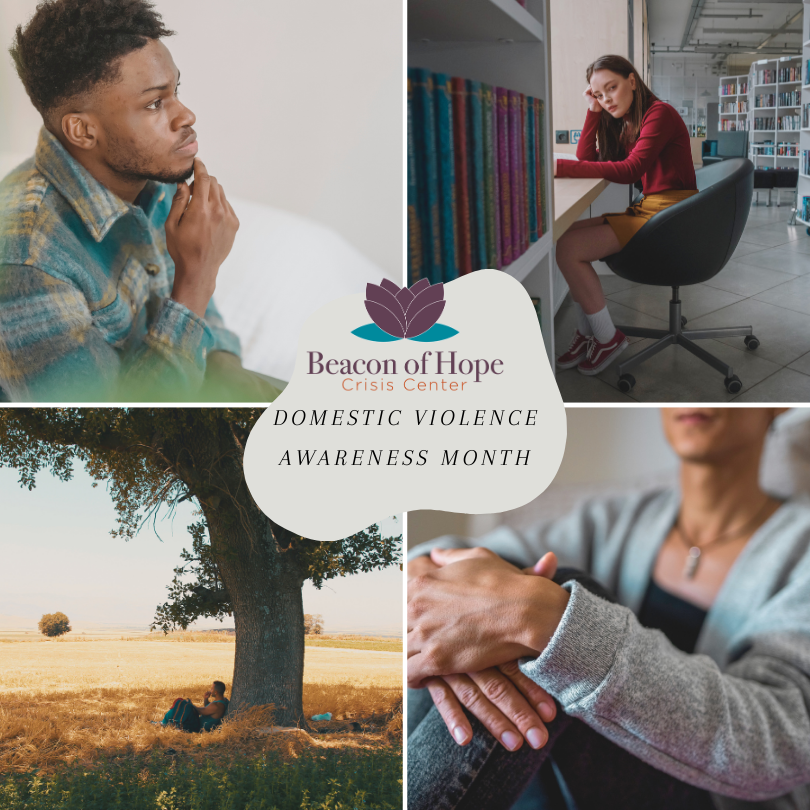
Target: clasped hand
[470,616]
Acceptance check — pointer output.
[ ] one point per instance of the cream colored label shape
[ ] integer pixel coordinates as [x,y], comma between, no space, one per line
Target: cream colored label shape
[473,423]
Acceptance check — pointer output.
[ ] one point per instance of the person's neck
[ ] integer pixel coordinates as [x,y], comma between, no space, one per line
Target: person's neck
[128,190]
[717,498]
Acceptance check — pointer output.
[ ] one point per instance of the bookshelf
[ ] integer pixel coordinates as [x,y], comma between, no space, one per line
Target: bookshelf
[733,109]
[769,145]
[804,135]
[500,43]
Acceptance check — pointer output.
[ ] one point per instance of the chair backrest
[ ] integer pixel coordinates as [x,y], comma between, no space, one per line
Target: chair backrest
[691,241]
[732,144]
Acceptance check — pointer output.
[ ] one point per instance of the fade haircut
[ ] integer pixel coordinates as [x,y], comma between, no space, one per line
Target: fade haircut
[71,46]
[220,687]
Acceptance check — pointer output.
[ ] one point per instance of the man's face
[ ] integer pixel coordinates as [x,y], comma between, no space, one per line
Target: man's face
[145,131]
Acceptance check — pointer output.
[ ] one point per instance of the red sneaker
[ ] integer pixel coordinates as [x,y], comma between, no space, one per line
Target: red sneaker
[599,356]
[576,351]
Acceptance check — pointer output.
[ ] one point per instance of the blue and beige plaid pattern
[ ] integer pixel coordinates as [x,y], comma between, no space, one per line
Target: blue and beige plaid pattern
[85,279]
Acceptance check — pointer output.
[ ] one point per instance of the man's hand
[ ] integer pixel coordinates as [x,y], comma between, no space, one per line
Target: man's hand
[477,613]
[199,236]
[227,381]
[419,566]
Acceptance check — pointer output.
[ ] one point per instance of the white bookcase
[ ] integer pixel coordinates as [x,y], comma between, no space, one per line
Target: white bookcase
[733,109]
[765,145]
[504,44]
[804,135]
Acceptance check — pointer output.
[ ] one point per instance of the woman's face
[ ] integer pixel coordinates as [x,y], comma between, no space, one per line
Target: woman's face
[613,92]
[716,435]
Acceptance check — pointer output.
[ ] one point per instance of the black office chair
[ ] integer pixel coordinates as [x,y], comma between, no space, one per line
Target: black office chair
[688,243]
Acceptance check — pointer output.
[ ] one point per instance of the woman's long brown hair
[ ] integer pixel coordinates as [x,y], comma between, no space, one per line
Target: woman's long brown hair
[615,135]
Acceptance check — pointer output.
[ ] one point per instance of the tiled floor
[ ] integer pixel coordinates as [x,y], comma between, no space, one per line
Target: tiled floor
[766,285]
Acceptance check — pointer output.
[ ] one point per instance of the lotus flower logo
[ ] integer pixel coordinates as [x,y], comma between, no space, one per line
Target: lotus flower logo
[401,313]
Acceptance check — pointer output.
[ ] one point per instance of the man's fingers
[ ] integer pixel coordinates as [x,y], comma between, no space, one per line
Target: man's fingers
[446,556]
[536,695]
[202,183]
[494,720]
[450,710]
[546,566]
[179,203]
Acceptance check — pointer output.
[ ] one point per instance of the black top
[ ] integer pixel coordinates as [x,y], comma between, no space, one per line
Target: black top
[679,620]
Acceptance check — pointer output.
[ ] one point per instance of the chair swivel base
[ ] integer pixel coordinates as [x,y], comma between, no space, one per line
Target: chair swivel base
[679,336]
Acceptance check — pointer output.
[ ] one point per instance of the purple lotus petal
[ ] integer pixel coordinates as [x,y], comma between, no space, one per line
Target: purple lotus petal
[424,319]
[427,296]
[384,297]
[389,285]
[385,319]
[422,284]
[405,296]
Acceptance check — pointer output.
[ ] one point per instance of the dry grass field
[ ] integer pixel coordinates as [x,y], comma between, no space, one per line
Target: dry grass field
[68,701]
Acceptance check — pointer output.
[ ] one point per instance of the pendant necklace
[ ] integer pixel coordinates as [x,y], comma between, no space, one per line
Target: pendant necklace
[695,551]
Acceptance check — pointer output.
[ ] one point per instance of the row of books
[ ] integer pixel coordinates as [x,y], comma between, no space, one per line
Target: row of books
[807,72]
[790,74]
[791,99]
[805,164]
[765,100]
[729,125]
[764,76]
[734,88]
[804,209]
[476,175]
[730,107]
[806,115]
[784,123]
[787,149]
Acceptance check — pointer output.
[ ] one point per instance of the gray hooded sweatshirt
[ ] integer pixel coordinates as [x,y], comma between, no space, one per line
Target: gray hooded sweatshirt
[732,718]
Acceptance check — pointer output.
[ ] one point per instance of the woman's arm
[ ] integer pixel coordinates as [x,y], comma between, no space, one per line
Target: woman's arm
[656,131]
[586,147]
[743,733]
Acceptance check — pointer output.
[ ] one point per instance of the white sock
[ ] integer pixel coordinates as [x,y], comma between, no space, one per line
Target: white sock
[602,325]
[583,324]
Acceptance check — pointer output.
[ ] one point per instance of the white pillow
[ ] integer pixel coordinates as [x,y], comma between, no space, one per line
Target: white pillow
[283,267]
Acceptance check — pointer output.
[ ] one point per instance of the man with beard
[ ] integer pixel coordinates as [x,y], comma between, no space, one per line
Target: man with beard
[108,258]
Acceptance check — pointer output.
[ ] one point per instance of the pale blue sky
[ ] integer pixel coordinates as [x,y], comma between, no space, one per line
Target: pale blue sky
[57,554]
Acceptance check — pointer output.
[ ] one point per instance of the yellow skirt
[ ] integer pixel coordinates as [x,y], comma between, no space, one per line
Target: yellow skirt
[626,224]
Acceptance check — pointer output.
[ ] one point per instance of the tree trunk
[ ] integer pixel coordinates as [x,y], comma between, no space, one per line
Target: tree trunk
[265,589]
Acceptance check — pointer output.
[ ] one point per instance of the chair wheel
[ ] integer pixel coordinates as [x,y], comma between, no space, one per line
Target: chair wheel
[683,321]
[752,342]
[733,384]
[626,383]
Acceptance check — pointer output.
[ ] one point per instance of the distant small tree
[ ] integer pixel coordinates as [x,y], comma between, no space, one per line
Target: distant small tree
[54,624]
[313,624]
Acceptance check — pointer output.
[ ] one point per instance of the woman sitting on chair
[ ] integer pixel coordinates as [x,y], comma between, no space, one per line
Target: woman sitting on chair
[188,717]
[629,135]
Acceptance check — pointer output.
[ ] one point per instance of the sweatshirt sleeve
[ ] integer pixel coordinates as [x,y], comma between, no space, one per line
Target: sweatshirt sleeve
[742,733]
[586,146]
[656,131]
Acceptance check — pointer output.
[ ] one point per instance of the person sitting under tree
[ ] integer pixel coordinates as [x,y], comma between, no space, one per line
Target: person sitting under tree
[188,717]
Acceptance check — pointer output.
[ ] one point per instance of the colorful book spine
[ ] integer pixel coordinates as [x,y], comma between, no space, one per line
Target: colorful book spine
[414,231]
[532,165]
[542,162]
[524,175]
[477,186]
[515,171]
[504,174]
[490,175]
[447,175]
[428,181]
[462,181]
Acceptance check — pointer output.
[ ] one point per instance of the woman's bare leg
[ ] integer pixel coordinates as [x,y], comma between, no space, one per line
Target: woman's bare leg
[584,242]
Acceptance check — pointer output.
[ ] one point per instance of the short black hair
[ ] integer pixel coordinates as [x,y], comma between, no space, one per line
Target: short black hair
[69,46]
[220,687]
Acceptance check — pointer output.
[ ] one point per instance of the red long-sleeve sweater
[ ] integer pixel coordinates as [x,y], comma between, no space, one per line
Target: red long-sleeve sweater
[661,157]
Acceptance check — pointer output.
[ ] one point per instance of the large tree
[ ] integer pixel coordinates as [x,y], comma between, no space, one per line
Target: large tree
[244,563]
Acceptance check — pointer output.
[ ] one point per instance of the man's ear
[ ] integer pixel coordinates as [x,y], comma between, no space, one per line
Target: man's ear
[79,130]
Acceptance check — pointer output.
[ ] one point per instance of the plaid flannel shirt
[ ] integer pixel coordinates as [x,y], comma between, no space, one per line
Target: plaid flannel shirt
[85,280]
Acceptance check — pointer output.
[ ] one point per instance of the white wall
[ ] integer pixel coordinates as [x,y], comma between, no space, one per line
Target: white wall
[679,77]
[298,104]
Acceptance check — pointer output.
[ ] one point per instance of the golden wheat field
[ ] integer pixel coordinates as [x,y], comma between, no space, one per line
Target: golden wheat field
[62,701]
